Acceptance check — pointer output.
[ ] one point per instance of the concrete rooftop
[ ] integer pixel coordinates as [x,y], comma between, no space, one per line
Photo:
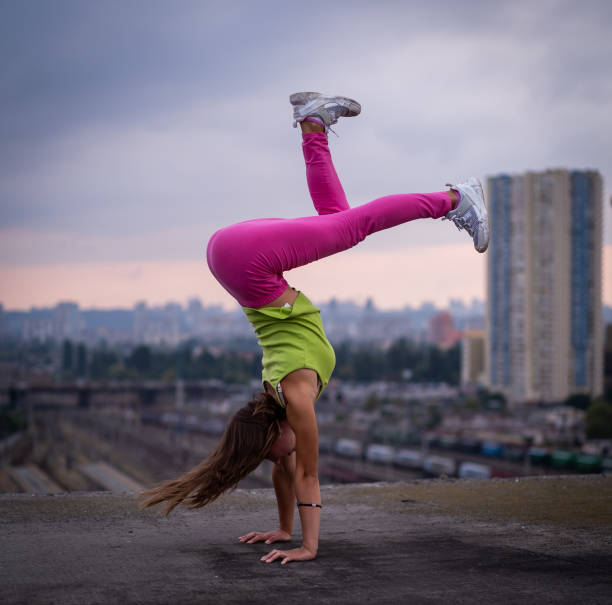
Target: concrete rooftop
[533,540]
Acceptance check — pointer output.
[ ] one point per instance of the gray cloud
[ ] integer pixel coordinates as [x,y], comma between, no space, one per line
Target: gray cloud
[126,119]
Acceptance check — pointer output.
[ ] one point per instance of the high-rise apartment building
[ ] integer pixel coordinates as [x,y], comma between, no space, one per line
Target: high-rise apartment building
[544,315]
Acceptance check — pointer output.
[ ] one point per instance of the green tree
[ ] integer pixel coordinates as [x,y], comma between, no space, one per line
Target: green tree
[81,360]
[67,357]
[10,422]
[598,420]
[140,360]
[578,400]
[101,362]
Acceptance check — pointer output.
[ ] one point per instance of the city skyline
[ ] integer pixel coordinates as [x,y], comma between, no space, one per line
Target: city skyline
[173,323]
[127,143]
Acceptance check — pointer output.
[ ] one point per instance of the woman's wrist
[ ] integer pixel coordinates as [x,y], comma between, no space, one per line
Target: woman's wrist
[310,549]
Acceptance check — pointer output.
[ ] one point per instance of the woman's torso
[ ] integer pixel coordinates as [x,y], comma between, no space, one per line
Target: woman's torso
[292,338]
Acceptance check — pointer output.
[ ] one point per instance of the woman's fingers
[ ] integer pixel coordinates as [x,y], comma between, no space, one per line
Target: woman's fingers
[277,536]
[269,537]
[295,554]
[258,537]
[272,556]
[278,554]
[251,537]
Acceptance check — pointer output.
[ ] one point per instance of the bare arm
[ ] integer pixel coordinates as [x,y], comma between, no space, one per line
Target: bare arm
[300,393]
[284,487]
[283,477]
[302,420]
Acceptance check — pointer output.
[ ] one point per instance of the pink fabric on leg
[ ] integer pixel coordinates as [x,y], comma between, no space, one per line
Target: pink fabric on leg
[323,183]
[249,258]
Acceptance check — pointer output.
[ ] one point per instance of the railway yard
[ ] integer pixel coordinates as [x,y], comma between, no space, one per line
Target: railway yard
[68,450]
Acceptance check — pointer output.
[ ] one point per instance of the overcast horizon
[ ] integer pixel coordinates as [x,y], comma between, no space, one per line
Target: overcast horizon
[131,131]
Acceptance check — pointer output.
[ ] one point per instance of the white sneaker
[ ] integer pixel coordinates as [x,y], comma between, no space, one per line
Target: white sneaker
[326,108]
[471,213]
[300,98]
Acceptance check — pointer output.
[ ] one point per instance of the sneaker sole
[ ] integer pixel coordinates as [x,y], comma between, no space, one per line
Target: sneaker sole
[484,203]
[481,206]
[354,107]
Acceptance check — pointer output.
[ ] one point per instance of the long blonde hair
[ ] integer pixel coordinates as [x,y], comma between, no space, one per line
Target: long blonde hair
[246,441]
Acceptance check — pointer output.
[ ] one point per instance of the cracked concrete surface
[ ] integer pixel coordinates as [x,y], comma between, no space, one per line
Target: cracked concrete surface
[536,540]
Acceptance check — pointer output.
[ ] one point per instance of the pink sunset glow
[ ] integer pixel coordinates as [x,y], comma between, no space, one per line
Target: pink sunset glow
[392,278]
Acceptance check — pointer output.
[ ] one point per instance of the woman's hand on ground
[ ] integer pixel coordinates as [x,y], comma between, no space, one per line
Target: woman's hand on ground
[295,554]
[278,535]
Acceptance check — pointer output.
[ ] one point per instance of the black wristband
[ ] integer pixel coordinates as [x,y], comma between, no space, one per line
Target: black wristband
[313,505]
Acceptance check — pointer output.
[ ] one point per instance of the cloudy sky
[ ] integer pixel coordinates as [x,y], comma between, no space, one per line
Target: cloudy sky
[130,131]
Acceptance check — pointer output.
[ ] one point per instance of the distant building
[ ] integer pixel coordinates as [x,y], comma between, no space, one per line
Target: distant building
[167,325]
[157,325]
[171,330]
[442,331]
[67,322]
[195,316]
[472,357]
[38,328]
[608,362]
[140,322]
[544,319]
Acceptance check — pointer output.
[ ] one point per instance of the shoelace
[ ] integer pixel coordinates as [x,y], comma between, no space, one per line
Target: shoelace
[469,221]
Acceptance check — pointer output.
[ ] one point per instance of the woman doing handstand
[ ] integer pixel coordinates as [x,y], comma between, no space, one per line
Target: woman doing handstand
[249,259]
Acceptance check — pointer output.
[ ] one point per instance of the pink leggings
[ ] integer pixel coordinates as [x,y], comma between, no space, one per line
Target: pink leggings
[249,258]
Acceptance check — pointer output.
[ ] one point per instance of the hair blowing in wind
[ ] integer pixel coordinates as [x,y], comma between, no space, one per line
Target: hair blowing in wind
[245,443]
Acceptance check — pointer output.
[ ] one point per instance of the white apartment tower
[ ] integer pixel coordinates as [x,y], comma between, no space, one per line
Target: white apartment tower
[544,273]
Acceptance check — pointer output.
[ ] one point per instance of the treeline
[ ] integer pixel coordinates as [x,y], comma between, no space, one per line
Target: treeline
[148,363]
[403,360]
